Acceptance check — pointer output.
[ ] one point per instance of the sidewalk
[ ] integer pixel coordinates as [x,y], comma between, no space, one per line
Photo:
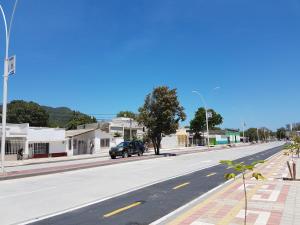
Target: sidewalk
[270,202]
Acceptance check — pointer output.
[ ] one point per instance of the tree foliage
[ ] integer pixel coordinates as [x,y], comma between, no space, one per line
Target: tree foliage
[281,133]
[161,114]
[79,119]
[127,114]
[198,124]
[19,111]
[251,133]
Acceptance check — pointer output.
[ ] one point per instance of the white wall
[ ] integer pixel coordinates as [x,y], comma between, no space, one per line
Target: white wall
[42,134]
[169,141]
[57,147]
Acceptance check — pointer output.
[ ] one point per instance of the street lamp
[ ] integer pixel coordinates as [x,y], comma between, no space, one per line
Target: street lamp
[206,114]
[5,80]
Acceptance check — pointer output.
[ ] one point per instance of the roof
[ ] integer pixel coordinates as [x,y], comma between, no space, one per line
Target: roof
[72,133]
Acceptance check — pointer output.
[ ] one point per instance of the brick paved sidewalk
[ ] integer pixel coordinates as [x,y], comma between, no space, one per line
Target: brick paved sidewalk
[270,202]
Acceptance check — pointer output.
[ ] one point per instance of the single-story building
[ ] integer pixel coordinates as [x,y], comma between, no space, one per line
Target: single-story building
[88,141]
[179,139]
[36,142]
[185,137]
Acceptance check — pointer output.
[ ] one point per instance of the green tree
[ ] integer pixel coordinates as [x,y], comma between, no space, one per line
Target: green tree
[281,133]
[19,111]
[161,114]
[251,133]
[198,124]
[79,119]
[127,114]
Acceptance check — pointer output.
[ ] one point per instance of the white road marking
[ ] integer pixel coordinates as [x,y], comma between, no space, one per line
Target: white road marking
[200,223]
[26,193]
[206,161]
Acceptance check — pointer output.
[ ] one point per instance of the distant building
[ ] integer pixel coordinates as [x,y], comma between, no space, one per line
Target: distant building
[184,137]
[118,127]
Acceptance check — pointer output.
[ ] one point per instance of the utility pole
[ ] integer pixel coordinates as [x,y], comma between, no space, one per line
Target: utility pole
[8,63]
[257,135]
[206,115]
[130,129]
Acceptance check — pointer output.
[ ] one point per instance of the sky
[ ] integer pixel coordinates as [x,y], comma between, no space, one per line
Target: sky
[101,57]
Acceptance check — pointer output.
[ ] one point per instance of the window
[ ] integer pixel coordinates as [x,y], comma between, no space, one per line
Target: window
[70,144]
[105,142]
[75,144]
[40,148]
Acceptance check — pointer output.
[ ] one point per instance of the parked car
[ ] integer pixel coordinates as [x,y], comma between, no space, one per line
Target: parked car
[127,149]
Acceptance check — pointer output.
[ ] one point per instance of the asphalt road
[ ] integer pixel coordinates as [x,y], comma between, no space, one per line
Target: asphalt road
[153,202]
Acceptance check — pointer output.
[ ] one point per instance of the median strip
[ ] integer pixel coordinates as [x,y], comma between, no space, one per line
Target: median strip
[211,174]
[117,211]
[181,185]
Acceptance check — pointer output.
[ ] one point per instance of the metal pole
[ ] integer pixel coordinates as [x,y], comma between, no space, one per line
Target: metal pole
[244,132]
[4,104]
[130,130]
[207,127]
[5,81]
[206,116]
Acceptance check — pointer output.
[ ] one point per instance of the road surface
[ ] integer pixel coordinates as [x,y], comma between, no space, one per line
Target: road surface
[120,194]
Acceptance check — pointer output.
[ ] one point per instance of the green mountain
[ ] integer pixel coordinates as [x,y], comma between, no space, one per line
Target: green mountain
[60,116]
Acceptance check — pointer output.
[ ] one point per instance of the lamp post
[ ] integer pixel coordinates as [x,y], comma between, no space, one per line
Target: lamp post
[5,80]
[206,115]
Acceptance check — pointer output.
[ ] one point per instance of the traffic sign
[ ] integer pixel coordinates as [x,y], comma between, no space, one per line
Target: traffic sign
[12,65]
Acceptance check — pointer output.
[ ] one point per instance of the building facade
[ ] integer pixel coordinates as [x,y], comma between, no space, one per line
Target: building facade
[36,142]
[88,141]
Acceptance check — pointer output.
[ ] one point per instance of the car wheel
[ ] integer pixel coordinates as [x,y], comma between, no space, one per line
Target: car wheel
[125,154]
[113,157]
[140,153]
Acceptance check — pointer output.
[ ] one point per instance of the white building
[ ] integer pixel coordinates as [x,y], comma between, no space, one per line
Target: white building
[120,126]
[36,142]
[88,141]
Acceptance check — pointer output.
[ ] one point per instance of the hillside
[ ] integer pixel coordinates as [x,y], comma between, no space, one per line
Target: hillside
[59,116]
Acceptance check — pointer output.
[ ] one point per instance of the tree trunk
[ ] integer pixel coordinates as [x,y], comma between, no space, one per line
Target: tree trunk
[158,145]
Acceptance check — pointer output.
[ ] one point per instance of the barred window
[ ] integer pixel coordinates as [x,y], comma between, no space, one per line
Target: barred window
[40,148]
[105,142]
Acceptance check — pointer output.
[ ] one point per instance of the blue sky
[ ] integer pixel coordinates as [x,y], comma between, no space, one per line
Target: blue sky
[105,56]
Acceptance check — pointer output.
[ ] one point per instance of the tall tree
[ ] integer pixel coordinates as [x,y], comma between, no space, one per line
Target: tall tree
[161,114]
[198,124]
[251,133]
[79,119]
[19,111]
[127,114]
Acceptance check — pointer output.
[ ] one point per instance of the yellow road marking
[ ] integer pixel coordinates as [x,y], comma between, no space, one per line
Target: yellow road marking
[211,174]
[181,185]
[121,209]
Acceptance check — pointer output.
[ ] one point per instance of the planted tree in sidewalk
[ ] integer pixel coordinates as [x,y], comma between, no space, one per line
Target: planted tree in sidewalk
[242,168]
[161,114]
[291,149]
